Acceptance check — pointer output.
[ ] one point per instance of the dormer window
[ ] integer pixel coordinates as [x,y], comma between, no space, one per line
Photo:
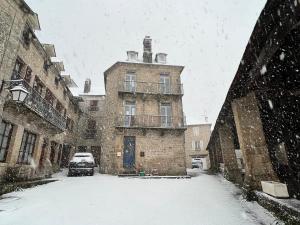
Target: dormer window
[161,58]
[132,56]
[27,36]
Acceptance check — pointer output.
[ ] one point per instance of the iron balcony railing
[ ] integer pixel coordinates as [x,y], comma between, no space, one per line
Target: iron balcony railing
[150,88]
[93,108]
[151,121]
[39,105]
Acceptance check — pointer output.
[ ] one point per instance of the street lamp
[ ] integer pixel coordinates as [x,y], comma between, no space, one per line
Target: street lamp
[19,93]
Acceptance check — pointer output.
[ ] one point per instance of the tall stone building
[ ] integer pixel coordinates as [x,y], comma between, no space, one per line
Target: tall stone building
[39,133]
[144,125]
[196,140]
[91,122]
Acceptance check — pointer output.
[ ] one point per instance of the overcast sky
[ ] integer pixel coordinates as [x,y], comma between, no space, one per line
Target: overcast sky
[208,37]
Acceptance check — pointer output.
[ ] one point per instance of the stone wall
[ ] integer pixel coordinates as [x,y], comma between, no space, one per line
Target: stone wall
[203,134]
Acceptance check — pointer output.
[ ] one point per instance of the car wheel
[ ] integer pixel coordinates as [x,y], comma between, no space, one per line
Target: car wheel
[70,174]
[92,173]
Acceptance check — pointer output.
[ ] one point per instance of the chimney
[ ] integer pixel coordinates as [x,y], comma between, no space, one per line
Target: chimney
[147,55]
[87,86]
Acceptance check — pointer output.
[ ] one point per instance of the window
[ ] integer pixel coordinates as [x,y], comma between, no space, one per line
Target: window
[196,131]
[166,115]
[91,124]
[165,84]
[70,124]
[5,135]
[197,145]
[82,148]
[94,105]
[53,149]
[56,80]
[28,75]
[17,70]
[130,82]
[27,36]
[49,97]
[27,147]
[38,85]
[130,109]
[47,64]
[59,107]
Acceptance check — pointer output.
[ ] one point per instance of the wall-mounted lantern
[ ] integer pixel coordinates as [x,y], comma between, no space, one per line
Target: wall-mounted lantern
[19,93]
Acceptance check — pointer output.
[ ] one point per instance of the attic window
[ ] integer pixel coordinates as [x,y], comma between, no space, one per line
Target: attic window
[56,80]
[46,65]
[27,36]
[132,56]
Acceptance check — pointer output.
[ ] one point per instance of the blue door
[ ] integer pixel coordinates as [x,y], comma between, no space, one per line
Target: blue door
[129,152]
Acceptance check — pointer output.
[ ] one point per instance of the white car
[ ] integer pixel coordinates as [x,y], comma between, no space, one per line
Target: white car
[82,163]
[197,163]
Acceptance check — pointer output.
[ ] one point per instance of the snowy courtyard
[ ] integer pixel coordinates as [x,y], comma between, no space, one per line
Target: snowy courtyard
[110,200]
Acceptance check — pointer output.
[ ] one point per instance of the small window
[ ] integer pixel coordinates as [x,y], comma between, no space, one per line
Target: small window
[38,85]
[5,135]
[27,36]
[197,145]
[47,64]
[142,154]
[56,80]
[82,148]
[196,131]
[59,107]
[94,105]
[17,70]
[27,147]
[91,124]
[49,97]
[28,75]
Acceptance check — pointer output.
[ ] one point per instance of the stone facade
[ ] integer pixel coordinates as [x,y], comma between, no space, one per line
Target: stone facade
[144,118]
[41,131]
[91,124]
[260,115]
[196,140]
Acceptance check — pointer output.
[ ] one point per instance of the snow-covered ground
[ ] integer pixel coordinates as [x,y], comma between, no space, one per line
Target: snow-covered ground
[109,200]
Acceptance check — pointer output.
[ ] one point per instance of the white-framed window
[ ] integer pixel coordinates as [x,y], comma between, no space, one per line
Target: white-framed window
[196,131]
[130,82]
[166,115]
[165,84]
[130,109]
[197,145]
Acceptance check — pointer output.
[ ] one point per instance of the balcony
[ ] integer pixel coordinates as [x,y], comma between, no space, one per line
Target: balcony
[150,121]
[135,87]
[36,103]
[93,108]
[90,133]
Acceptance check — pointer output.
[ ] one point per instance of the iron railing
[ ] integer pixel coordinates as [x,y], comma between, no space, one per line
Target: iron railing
[150,88]
[150,121]
[93,108]
[39,105]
